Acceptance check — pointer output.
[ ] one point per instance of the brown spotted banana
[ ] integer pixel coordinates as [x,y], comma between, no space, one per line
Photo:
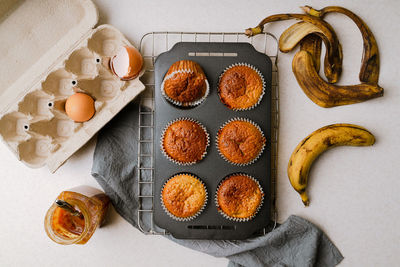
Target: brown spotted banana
[315,144]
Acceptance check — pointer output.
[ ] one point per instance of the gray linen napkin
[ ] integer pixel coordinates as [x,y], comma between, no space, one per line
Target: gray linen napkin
[296,242]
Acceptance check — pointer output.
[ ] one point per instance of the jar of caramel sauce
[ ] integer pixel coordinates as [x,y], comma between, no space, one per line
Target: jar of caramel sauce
[65,227]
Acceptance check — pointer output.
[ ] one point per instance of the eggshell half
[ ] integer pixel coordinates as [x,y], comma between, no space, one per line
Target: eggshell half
[127,63]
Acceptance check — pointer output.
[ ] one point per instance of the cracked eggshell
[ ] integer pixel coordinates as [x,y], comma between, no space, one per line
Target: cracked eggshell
[127,63]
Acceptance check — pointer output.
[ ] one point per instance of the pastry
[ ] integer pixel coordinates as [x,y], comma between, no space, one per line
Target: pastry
[185,84]
[240,141]
[239,196]
[241,87]
[185,141]
[184,196]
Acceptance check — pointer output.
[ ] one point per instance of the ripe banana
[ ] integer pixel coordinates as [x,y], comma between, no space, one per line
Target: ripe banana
[325,94]
[317,142]
[333,57]
[369,71]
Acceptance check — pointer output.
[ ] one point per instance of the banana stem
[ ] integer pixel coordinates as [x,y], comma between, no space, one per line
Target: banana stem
[311,11]
[253,31]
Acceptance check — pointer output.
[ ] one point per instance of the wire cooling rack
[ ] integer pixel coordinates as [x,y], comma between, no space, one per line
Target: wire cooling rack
[151,45]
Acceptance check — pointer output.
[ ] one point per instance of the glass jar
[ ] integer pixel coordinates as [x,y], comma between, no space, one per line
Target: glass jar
[65,228]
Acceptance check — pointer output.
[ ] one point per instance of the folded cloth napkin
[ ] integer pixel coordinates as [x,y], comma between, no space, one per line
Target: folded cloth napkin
[296,242]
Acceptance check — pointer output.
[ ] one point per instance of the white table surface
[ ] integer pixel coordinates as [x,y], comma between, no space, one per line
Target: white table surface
[354,191]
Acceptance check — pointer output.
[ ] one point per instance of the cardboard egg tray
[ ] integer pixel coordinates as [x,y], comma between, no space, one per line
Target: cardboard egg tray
[212,113]
[50,51]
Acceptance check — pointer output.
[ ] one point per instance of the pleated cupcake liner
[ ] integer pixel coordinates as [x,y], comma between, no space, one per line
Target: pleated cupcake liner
[184,104]
[235,219]
[184,219]
[174,160]
[225,158]
[263,85]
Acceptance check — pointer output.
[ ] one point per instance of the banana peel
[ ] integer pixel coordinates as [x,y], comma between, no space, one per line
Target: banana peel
[312,44]
[306,62]
[369,71]
[325,94]
[333,58]
[292,36]
[298,33]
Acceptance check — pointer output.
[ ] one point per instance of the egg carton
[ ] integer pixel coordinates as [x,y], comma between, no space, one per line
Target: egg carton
[33,122]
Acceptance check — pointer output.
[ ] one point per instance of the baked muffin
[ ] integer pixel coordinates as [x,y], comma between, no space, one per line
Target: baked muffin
[239,197]
[185,141]
[185,84]
[240,141]
[183,196]
[241,87]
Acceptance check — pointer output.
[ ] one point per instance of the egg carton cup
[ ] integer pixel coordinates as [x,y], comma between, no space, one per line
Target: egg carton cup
[245,120]
[36,149]
[235,219]
[186,104]
[104,87]
[60,128]
[176,161]
[60,83]
[262,79]
[72,56]
[185,219]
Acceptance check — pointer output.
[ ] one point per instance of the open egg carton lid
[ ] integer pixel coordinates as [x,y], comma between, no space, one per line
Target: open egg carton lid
[48,51]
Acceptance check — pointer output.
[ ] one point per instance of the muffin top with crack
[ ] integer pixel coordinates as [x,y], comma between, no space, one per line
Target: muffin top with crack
[183,195]
[240,87]
[185,141]
[239,196]
[185,83]
[240,141]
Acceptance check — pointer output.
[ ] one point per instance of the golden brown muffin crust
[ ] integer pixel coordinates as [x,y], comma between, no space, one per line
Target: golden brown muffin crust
[239,196]
[185,141]
[183,195]
[240,141]
[240,87]
[185,87]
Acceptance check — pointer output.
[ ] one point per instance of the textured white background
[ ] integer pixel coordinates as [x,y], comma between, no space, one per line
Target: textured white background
[354,191]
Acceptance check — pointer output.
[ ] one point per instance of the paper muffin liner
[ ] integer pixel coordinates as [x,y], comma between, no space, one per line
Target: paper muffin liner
[184,219]
[174,160]
[225,158]
[259,74]
[235,218]
[184,104]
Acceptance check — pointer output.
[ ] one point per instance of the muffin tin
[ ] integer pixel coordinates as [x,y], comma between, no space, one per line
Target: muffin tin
[63,55]
[212,113]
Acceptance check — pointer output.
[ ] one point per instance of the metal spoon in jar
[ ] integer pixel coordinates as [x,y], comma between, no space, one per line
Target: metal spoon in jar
[68,207]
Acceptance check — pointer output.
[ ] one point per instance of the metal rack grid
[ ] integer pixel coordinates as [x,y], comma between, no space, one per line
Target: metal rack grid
[151,45]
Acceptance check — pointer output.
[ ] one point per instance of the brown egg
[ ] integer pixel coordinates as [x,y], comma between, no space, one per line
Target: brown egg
[127,63]
[80,107]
